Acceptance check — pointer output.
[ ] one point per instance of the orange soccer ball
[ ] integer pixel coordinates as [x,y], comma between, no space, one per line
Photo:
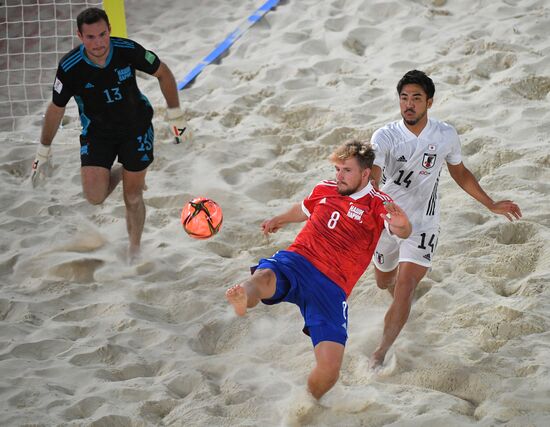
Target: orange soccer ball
[201,218]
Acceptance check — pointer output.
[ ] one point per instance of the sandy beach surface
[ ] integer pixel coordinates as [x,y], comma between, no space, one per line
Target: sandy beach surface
[87,339]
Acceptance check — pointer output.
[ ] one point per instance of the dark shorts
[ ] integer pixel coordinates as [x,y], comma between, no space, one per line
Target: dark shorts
[135,154]
[322,302]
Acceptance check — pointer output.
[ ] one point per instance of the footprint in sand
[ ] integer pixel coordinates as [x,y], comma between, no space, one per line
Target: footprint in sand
[150,313]
[84,408]
[79,271]
[513,233]
[232,118]
[517,257]
[91,311]
[501,324]
[16,169]
[469,148]
[25,399]
[232,175]
[497,159]
[183,385]
[495,63]
[40,350]
[109,354]
[360,38]
[534,88]
[337,24]
[112,420]
[208,338]
[268,189]
[128,372]
[534,286]
[155,411]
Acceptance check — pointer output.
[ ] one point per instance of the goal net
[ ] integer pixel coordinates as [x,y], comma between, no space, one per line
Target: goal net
[34,36]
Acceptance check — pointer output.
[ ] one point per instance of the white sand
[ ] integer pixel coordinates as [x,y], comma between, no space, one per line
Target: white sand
[86,339]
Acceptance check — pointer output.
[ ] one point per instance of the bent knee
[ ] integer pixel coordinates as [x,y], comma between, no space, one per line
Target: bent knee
[264,277]
[330,366]
[330,372]
[385,280]
[133,199]
[383,285]
[95,198]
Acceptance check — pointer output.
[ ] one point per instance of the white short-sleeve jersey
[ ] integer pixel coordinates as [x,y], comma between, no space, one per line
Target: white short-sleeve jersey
[412,165]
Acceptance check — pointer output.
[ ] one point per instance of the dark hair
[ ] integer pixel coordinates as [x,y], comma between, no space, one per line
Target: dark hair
[361,150]
[420,78]
[91,16]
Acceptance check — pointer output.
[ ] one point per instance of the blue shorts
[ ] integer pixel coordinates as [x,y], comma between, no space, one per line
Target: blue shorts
[321,301]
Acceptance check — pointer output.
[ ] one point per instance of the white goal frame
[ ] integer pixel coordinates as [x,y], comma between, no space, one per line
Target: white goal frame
[34,36]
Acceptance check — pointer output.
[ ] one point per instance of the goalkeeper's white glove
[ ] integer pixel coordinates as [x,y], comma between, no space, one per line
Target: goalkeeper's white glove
[178,126]
[42,164]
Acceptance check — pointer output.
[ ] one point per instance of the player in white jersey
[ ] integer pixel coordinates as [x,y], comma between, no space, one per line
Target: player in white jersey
[410,154]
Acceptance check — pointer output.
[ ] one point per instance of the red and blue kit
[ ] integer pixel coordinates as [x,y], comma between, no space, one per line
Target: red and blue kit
[341,232]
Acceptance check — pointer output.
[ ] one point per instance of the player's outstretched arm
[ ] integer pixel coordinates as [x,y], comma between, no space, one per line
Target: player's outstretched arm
[294,214]
[174,114]
[468,182]
[398,220]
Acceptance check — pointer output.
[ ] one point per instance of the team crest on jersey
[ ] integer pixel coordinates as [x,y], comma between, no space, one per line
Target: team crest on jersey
[379,258]
[149,57]
[57,85]
[429,160]
[124,74]
[355,213]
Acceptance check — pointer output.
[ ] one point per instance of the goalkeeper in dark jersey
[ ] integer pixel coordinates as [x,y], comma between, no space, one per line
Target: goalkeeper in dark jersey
[116,117]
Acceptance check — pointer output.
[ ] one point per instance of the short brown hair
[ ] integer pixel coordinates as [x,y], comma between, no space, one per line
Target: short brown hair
[91,16]
[361,150]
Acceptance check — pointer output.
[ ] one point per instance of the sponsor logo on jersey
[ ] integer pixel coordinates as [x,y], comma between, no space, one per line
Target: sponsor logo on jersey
[150,57]
[89,86]
[145,158]
[428,257]
[424,173]
[402,159]
[323,201]
[124,74]
[429,160]
[431,147]
[379,258]
[355,213]
[57,85]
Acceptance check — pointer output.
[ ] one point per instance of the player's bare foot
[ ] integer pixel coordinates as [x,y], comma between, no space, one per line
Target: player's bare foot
[236,295]
[134,253]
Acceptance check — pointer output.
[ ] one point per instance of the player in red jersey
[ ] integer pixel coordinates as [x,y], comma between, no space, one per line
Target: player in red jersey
[344,219]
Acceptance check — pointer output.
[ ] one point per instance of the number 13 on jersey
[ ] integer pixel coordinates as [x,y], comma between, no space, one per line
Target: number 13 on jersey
[112,95]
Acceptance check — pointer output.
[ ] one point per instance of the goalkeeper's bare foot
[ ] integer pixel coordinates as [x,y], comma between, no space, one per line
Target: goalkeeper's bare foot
[236,295]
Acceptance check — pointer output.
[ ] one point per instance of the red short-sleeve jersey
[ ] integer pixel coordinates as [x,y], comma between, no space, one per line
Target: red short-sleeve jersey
[341,233]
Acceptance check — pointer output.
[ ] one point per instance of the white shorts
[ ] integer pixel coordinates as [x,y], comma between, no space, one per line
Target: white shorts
[419,249]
